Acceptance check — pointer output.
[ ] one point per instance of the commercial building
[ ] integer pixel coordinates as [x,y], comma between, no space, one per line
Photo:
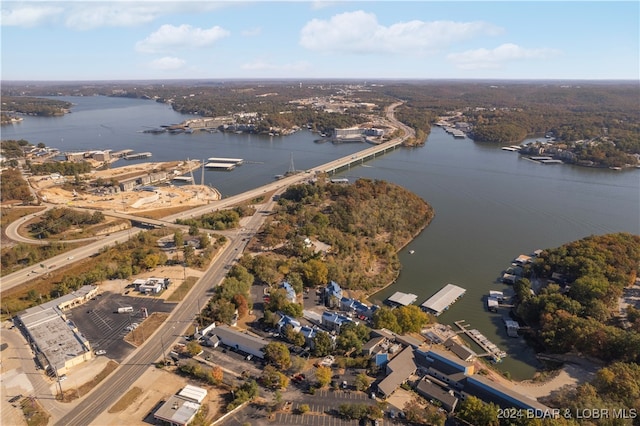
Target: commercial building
[235,339]
[58,343]
[177,411]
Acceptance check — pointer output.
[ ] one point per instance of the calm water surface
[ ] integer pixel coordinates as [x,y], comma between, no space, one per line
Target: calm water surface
[490,204]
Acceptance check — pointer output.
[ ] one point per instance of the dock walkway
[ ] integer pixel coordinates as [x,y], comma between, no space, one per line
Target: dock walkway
[492,351]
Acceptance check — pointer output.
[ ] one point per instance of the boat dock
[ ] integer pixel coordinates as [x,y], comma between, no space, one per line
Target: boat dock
[220,166]
[137,156]
[492,351]
[444,298]
[234,161]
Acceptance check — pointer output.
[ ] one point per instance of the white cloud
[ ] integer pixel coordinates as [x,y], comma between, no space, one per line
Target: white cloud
[252,32]
[88,14]
[114,14]
[170,37]
[495,58]
[360,32]
[28,16]
[262,65]
[167,63]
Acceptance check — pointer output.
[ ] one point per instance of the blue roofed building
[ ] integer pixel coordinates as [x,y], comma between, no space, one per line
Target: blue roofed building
[333,321]
[332,295]
[358,308]
[287,320]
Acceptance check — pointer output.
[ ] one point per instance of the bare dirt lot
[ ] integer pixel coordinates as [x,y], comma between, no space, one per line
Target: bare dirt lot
[51,190]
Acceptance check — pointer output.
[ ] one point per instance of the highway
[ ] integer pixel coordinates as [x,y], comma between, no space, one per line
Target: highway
[108,392]
[113,387]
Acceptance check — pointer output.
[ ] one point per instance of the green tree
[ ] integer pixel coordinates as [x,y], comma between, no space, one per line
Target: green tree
[315,272]
[194,348]
[273,379]
[361,382]
[411,318]
[477,412]
[323,376]
[322,344]
[178,239]
[295,337]
[385,318]
[278,354]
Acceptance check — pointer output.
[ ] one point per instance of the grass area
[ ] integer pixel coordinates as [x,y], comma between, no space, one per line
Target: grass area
[71,394]
[18,299]
[160,213]
[33,412]
[126,400]
[11,214]
[146,329]
[179,293]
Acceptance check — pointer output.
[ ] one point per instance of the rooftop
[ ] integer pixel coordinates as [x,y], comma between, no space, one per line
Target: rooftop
[56,337]
[440,301]
[177,410]
[402,299]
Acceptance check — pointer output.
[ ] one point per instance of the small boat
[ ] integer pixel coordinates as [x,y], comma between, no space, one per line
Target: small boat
[411,251]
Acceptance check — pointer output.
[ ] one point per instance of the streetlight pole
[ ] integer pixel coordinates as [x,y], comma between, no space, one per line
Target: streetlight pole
[164,356]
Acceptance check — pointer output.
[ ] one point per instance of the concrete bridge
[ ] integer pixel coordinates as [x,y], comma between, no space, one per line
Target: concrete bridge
[360,157]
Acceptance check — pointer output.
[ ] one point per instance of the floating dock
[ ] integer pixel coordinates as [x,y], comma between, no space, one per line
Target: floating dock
[401,299]
[492,351]
[235,161]
[220,166]
[440,302]
[137,156]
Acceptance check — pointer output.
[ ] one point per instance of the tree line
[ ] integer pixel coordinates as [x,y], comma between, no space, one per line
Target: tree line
[35,106]
[58,220]
[14,187]
[578,309]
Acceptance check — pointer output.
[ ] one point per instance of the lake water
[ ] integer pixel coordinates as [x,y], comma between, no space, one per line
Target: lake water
[490,204]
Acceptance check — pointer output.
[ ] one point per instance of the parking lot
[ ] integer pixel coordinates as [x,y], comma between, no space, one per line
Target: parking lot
[105,328]
[323,407]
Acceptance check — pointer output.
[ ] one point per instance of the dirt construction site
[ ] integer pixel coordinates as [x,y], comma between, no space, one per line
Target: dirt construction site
[51,189]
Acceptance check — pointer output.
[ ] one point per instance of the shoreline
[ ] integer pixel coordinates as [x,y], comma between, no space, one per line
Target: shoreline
[413,237]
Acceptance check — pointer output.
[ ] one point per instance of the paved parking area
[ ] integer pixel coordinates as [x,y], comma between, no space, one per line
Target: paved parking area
[100,323]
[314,420]
[322,410]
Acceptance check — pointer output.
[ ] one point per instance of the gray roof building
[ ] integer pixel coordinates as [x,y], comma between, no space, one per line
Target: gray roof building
[402,299]
[429,390]
[57,339]
[399,369]
[238,340]
[177,411]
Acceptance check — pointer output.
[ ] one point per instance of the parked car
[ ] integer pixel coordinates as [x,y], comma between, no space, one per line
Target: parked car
[101,352]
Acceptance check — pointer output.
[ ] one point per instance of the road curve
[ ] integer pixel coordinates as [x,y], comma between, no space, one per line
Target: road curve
[113,387]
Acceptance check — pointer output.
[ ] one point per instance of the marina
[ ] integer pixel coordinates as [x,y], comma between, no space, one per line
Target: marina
[440,302]
[137,156]
[187,179]
[220,166]
[492,351]
[235,161]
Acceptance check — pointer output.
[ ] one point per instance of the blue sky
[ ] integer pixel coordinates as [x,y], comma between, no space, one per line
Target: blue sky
[151,39]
